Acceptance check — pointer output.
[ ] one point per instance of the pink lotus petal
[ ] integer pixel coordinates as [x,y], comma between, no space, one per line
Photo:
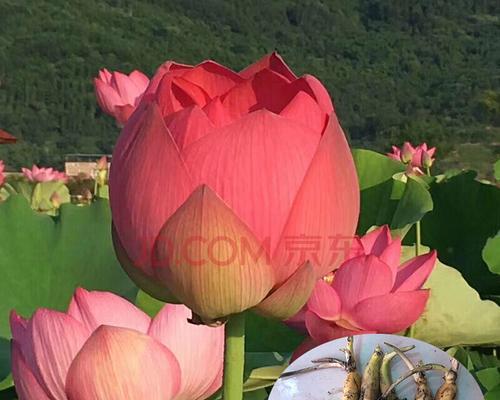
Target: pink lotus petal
[199,349]
[215,79]
[324,302]
[413,273]
[57,338]
[140,80]
[140,207]
[360,278]
[304,109]
[217,113]
[215,265]
[214,386]
[106,96]
[272,61]
[267,89]
[27,386]
[123,113]
[298,321]
[188,125]
[291,296]
[391,255]
[18,327]
[312,86]
[122,364]
[94,309]
[170,68]
[126,88]
[174,94]
[392,312]
[322,331]
[377,240]
[105,75]
[325,210]
[231,162]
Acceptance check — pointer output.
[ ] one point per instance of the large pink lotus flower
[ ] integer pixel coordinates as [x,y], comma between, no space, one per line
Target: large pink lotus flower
[106,348]
[118,94]
[2,173]
[416,157]
[36,174]
[219,177]
[370,292]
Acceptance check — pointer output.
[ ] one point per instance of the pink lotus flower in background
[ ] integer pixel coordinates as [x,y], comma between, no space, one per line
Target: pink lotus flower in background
[106,348]
[217,172]
[118,94]
[416,157]
[36,174]
[370,292]
[2,173]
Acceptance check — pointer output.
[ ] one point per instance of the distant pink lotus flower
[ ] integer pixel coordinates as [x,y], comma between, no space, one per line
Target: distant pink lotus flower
[118,94]
[106,348]
[416,157]
[2,173]
[370,292]
[36,174]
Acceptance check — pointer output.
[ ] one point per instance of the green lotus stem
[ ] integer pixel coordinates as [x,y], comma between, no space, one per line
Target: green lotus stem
[428,170]
[234,357]
[418,238]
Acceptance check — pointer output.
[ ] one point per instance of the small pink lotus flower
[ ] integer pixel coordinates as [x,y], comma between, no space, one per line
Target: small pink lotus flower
[118,94]
[370,292]
[416,157]
[106,348]
[2,173]
[36,174]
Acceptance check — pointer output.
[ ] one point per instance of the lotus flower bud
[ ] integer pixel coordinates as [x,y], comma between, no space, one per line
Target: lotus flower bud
[217,177]
[407,152]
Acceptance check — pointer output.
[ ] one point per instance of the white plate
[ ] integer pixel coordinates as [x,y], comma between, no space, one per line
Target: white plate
[327,384]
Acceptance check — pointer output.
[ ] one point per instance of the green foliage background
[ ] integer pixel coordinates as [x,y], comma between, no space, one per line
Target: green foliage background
[425,70]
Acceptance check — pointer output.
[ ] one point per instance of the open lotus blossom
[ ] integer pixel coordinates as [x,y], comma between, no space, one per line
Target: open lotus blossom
[118,94]
[2,173]
[416,157]
[105,348]
[370,292]
[218,174]
[36,174]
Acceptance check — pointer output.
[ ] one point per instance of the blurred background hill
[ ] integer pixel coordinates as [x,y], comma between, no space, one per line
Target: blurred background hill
[397,70]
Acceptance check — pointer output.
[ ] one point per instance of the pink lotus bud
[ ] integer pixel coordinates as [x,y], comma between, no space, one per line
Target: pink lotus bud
[407,152]
[180,198]
[103,344]
[119,94]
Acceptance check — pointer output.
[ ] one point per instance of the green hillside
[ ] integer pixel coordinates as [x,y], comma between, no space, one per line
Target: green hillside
[420,70]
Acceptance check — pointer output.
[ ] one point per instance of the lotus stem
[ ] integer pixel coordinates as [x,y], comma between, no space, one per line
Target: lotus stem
[418,238]
[234,357]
